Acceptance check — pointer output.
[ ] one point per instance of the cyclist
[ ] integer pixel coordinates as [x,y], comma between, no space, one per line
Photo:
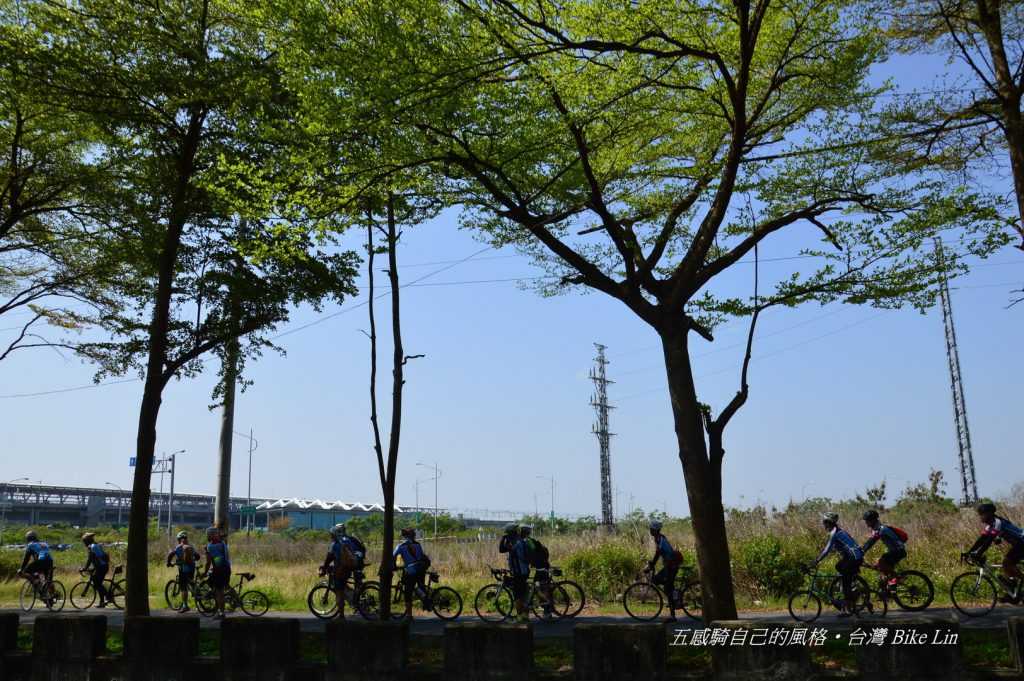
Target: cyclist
[670,562]
[850,558]
[512,544]
[339,563]
[356,546]
[538,558]
[184,556]
[218,567]
[37,563]
[895,548]
[415,563]
[99,562]
[999,529]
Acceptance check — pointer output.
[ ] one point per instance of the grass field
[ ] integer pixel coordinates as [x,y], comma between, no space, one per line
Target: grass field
[767,546]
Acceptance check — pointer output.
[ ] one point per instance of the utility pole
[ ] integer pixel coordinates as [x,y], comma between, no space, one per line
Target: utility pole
[120,500]
[552,479]
[170,496]
[599,401]
[968,484]
[437,474]
[254,444]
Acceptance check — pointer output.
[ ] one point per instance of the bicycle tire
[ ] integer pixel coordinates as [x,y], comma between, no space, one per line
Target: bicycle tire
[692,601]
[646,599]
[809,611]
[976,601]
[494,603]
[27,596]
[206,600]
[368,600]
[254,603]
[577,597]
[860,587]
[560,603]
[915,596]
[322,602]
[60,596]
[173,595]
[446,602]
[232,601]
[117,592]
[83,595]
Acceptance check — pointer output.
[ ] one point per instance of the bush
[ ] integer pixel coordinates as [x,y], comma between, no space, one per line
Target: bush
[604,570]
[765,568]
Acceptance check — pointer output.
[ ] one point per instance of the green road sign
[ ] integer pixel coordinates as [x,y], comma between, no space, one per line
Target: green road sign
[248,509]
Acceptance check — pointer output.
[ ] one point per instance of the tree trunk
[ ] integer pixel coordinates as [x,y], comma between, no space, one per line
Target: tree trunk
[703,477]
[137,596]
[221,516]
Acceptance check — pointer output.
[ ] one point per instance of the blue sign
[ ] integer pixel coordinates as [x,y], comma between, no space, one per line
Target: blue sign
[131,462]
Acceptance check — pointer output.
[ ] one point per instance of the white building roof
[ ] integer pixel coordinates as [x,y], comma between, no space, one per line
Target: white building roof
[296,504]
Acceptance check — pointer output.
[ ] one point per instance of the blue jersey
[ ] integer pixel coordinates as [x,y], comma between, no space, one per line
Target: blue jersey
[1003,529]
[40,550]
[842,543]
[186,563]
[888,537]
[665,550]
[518,559]
[99,555]
[218,552]
[413,557]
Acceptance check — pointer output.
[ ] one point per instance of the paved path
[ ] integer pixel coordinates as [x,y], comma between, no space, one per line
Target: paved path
[432,626]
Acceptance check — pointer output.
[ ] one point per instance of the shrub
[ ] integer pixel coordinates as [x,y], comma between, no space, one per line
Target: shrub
[604,570]
[766,568]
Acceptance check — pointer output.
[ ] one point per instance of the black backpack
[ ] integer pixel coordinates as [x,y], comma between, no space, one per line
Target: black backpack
[538,555]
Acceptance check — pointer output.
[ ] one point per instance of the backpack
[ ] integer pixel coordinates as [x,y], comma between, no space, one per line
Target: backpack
[677,557]
[537,554]
[902,534]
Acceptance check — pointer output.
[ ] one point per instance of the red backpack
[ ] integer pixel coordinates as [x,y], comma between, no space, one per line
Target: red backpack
[902,534]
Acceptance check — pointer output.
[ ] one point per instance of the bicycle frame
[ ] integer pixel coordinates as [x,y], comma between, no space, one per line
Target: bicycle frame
[995,576]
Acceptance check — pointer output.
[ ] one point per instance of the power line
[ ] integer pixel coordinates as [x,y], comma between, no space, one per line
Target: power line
[72,389]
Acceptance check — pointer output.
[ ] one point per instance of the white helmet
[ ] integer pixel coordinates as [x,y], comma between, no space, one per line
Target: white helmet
[830,517]
[338,530]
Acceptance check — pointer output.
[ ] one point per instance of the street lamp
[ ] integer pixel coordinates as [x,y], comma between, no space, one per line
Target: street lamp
[120,500]
[253,446]
[437,474]
[552,479]
[170,495]
[3,506]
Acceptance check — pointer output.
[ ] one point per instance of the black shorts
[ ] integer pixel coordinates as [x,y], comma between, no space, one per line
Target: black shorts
[891,558]
[185,577]
[41,567]
[220,577]
[519,586]
[1014,555]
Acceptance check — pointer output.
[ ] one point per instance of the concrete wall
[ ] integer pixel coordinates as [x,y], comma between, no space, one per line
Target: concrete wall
[72,648]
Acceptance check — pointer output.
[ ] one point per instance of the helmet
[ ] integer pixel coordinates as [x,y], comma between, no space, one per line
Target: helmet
[525,530]
[89,537]
[182,535]
[830,517]
[655,526]
[338,529]
[212,531]
[871,514]
[31,535]
[987,507]
[511,528]
[409,532]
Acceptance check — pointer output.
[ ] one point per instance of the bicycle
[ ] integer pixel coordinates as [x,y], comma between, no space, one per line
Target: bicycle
[975,593]
[910,589]
[496,602]
[198,589]
[364,597]
[443,601]
[644,600]
[83,594]
[49,591]
[252,602]
[805,604]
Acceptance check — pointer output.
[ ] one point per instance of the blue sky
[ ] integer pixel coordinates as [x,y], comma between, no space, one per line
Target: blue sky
[842,397]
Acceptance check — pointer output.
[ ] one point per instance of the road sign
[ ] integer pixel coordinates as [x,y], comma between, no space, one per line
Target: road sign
[247,509]
[131,462]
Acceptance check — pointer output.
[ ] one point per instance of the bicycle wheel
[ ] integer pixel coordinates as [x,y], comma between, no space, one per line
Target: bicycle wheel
[56,597]
[447,602]
[254,603]
[804,606]
[27,596]
[494,603]
[577,598]
[116,592]
[973,594]
[862,595]
[557,607]
[367,600]
[322,602]
[914,591]
[643,601]
[83,595]
[206,601]
[231,600]
[173,595]
[691,600]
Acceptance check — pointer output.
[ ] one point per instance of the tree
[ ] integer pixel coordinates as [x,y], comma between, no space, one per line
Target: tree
[973,118]
[644,150]
[181,95]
